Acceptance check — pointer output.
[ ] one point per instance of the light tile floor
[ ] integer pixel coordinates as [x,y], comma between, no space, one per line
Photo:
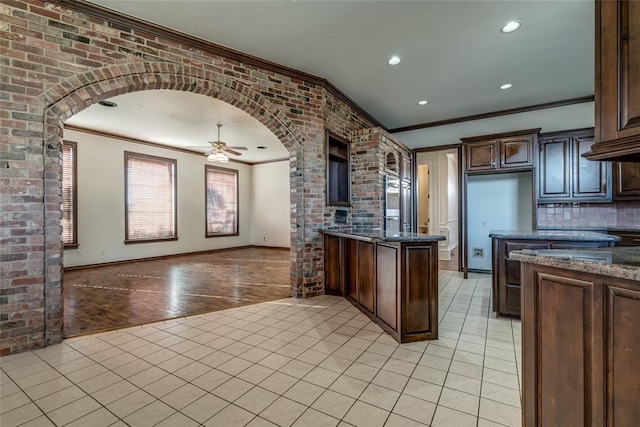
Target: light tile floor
[293,362]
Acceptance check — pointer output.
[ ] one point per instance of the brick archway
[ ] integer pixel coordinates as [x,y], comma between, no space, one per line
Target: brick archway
[80,91]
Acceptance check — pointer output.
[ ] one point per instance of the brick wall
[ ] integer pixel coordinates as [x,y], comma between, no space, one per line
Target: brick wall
[369,151]
[57,61]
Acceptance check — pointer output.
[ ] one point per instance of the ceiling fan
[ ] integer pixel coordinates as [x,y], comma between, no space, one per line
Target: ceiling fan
[219,148]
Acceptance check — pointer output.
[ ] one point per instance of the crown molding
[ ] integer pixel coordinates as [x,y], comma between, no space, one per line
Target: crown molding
[498,113]
[128,23]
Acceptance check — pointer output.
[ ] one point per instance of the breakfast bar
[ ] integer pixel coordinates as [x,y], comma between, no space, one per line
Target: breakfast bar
[392,277]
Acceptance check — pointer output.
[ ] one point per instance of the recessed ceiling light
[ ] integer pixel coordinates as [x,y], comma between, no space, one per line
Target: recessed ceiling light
[506,86]
[423,102]
[261,147]
[109,104]
[510,27]
[394,60]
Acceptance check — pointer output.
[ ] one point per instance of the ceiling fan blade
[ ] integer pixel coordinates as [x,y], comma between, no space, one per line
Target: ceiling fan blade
[235,153]
[236,147]
[198,147]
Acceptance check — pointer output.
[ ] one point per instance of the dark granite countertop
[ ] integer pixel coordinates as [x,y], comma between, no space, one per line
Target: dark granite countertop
[621,262]
[379,235]
[574,235]
[612,228]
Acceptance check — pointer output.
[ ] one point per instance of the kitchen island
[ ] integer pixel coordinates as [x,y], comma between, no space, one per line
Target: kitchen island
[506,271]
[390,277]
[580,336]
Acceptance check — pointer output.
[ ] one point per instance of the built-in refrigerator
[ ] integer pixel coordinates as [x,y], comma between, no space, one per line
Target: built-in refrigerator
[502,201]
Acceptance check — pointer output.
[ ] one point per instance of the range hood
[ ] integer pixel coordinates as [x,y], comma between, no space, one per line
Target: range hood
[619,150]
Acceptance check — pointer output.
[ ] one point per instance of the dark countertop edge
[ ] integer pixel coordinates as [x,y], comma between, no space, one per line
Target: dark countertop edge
[542,235]
[621,228]
[620,271]
[356,236]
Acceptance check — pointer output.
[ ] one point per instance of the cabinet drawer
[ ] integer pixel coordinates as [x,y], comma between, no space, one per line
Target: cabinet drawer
[628,239]
[578,245]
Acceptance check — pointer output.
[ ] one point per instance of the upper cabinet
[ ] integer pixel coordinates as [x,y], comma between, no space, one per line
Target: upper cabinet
[617,90]
[626,181]
[564,175]
[338,171]
[506,151]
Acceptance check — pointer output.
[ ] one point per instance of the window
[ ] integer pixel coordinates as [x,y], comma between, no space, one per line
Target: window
[221,186]
[69,195]
[150,198]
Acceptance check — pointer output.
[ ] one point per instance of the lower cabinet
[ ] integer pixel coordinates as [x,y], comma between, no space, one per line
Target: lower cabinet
[580,347]
[394,283]
[506,272]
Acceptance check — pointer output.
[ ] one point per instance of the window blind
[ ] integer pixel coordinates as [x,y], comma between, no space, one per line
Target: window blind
[69,189]
[150,198]
[222,201]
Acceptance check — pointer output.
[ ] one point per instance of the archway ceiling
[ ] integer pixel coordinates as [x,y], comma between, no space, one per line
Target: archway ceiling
[182,119]
[453,53]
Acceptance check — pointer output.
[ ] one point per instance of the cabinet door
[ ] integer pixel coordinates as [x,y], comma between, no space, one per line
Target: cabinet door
[554,167]
[481,156]
[562,347]
[618,71]
[516,152]
[366,275]
[626,181]
[351,268]
[622,317]
[333,268]
[591,178]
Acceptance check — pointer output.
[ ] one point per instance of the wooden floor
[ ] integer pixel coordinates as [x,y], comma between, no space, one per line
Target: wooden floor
[116,296]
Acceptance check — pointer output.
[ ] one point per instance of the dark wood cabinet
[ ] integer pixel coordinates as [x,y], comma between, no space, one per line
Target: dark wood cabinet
[627,238]
[507,283]
[554,168]
[506,151]
[481,155]
[626,181]
[334,265]
[580,342]
[617,89]
[338,171]
[393,283]
[564,175]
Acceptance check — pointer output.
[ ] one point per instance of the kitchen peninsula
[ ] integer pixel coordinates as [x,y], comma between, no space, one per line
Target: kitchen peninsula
[580,336]
[392,277]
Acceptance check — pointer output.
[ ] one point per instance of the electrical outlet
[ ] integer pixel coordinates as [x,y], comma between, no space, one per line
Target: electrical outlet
[477,252]
[567,215]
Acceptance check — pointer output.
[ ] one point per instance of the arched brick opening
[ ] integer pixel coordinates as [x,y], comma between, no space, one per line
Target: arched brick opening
[80,91]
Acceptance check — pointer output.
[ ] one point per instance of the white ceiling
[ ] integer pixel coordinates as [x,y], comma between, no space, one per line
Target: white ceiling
[453,52]
[182,119]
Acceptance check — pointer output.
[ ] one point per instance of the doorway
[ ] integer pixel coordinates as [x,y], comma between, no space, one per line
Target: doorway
[438,200]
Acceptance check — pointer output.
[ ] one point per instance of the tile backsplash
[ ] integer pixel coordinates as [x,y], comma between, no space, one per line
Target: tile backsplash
[589,215]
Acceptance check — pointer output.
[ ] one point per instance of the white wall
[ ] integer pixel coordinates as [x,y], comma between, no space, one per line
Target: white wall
[453,191]
[101,203]
[271,215]
[496,202]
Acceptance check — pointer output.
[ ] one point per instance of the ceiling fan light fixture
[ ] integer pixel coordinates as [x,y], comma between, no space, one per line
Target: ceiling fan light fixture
[394,60]
[218,157]
[510,27]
